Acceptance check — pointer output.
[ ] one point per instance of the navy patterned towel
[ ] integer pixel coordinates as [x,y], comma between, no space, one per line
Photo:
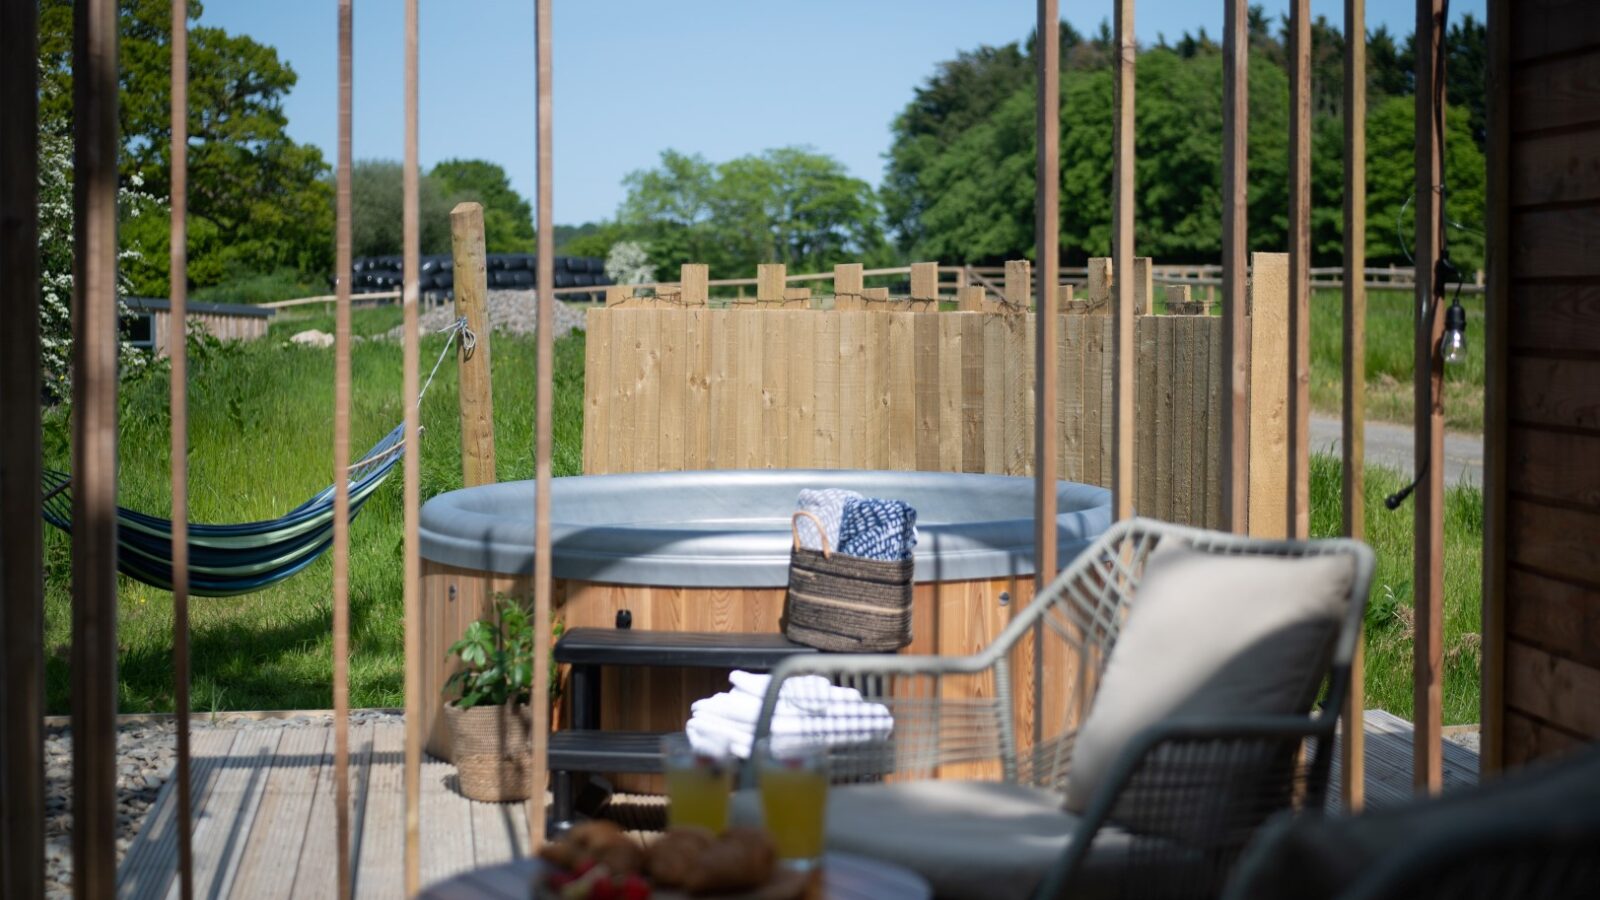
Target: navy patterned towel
[878,529]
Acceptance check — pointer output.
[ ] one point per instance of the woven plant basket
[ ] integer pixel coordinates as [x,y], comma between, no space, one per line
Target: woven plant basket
[845,603]
[490,746]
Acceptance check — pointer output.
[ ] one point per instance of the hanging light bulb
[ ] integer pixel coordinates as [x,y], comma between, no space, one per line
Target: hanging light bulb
[1454,342]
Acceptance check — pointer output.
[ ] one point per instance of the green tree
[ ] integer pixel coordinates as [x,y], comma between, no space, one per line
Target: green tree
[507,216]
[377,193]
[789,205]
[1391,181]
[257,199]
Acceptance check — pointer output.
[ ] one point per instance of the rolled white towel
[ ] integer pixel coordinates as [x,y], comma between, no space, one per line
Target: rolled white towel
[827,504]
[812,693]
[737,706]
[713,734]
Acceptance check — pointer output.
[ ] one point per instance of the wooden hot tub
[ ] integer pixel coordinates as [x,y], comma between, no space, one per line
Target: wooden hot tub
[709,551]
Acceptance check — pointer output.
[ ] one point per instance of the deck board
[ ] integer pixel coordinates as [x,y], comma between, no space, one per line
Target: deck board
[447,816]
[273,856]
[264,824]
[151,866]
[222,830]
[1389,762]
[382,848]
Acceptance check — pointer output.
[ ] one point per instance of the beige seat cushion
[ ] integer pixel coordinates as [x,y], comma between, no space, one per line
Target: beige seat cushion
[970,839]
[1211,635]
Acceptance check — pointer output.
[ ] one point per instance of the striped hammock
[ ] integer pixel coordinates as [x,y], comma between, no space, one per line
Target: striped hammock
[227,560]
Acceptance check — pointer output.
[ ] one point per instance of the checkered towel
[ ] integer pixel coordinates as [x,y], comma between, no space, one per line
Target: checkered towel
[878,529]
[827,505]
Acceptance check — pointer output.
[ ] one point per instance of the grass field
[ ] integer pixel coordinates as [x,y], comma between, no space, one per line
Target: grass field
[1389,356]
[261,443]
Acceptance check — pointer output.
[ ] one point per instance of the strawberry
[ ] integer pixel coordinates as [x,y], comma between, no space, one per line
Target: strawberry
[634,887]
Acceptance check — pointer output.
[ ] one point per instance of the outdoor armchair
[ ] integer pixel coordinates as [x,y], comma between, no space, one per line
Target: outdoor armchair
[1532,832]
[1124,735]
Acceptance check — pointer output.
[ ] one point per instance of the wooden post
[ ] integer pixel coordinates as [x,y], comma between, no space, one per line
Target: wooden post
[1101,276]
[544,377]
[1133,275]
[474,386]
[1299,493]
[1018,284]
[94,448]
[1064,298]
[847,280]
[1428,549]
[1144,287]
[1354,370]
[693,278]
[1497,316]
[925,286]
[21,534]
[770,285]
[1235,460]
[411,587]
[178,414]
[1269,394]
[341,466]
[616,294]
[1047,231]
[970,299]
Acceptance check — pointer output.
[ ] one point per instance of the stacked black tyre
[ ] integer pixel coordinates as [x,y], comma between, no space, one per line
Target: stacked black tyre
[506,271]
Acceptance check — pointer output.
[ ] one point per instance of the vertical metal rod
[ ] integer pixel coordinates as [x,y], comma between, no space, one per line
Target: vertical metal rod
[539,705]
[410,384]
[21,537]
[1298,514]
[94,449]
[178,402]
[1428,522]
[341,464]
[1235,275]
[1047,210]
[1124,437]
[1353,746]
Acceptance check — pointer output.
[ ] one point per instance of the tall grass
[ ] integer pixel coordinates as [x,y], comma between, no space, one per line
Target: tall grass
[1389,621]
[261,442]
[1390,352]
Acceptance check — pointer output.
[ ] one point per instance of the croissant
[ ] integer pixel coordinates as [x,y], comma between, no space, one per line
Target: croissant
[739,860]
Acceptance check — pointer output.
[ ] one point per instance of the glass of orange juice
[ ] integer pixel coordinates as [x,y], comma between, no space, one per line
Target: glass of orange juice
[794,799]
[698,785]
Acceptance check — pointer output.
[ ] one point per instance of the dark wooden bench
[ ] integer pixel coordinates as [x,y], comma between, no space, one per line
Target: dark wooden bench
[585,747]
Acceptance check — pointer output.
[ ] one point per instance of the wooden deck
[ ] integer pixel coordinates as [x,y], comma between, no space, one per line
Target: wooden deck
[264,824]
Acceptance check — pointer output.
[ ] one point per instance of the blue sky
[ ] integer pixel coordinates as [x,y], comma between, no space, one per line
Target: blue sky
[633,77]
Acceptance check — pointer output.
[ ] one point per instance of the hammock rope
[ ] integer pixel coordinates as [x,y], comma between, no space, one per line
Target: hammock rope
[228,560]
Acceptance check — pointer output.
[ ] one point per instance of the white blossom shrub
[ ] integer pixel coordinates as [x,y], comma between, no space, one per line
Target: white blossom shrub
[55,259]
[628,263]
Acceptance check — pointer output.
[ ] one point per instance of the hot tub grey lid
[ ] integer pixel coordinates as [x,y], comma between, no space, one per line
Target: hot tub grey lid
[731,528]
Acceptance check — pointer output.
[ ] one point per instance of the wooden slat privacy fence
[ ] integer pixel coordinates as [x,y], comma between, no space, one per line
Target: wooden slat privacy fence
[672,387]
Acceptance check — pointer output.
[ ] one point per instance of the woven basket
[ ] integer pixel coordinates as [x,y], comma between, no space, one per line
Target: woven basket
[845,603]
[490,749]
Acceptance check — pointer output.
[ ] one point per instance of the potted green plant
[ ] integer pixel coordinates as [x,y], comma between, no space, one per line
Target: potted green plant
[489,719]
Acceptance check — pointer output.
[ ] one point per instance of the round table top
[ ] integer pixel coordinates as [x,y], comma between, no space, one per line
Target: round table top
[845,876]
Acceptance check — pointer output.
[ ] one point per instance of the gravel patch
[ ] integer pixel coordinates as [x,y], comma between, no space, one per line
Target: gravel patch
[146,757]
[509,311]
[1467,739]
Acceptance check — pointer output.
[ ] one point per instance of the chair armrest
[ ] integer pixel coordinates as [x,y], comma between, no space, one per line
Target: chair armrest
[1233,806]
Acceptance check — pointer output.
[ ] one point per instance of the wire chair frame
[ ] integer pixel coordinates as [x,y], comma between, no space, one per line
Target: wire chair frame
[1184,797]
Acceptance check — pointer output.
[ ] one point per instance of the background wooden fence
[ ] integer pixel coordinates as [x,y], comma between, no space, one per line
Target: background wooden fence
[671,384]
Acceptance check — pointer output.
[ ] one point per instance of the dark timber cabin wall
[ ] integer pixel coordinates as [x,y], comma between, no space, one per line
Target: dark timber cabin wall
[1542,540]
